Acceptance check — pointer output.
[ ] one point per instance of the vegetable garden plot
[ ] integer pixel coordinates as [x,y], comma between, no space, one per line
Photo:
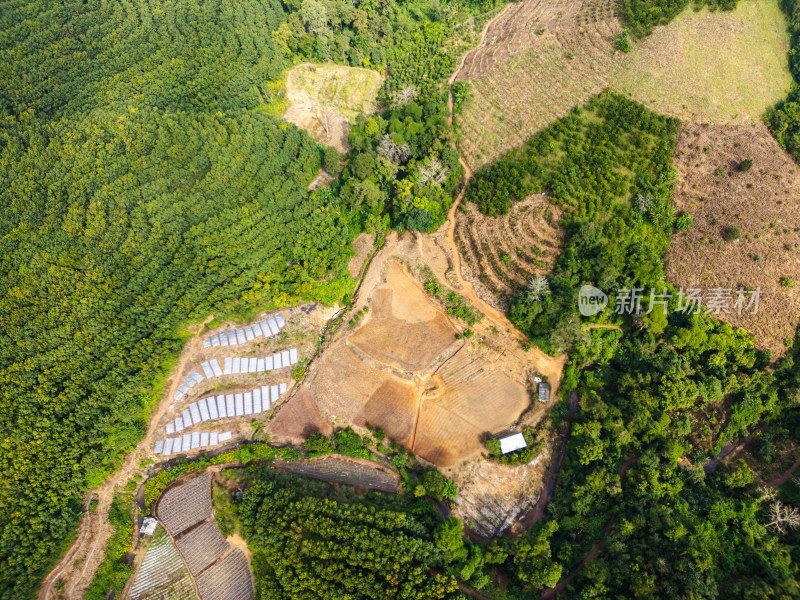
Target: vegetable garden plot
[341,471]
[236,365]
[227,579]
[185,505]
[162,575]
[202,546]
[269,327]
[256,401]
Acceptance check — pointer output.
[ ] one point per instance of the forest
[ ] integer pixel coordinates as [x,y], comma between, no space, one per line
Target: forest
[145,183]
[311,545]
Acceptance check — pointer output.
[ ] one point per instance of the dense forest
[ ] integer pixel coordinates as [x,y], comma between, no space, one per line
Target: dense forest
[633,473]
[145,183]
[640,16]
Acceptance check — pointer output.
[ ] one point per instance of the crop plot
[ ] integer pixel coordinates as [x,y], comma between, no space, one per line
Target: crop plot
[325,99]
[504,252]
[162,574]
[348,471]
[760,204]
[297,419]
[227,579]
[183,506]
[202,546]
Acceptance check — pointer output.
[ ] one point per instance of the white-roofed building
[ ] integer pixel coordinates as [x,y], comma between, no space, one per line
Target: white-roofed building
[512,442]
[148,526]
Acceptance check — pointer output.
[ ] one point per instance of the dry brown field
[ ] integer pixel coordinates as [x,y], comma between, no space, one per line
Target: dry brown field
[541,58]
[297,419]
[403,370]
[764,203]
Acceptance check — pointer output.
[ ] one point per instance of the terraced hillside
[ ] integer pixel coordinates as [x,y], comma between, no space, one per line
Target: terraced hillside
[501,254]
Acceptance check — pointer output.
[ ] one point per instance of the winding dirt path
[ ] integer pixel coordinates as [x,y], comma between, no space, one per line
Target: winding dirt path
[550,593]
[781,479]
[550,366]
[88,551]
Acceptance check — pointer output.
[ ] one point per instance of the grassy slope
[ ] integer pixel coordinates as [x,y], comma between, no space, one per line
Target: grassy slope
[722,66]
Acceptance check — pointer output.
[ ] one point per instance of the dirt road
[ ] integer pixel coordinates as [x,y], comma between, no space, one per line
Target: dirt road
[76,570]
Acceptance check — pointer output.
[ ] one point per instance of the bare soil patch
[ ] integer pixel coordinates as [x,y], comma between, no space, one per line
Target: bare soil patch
[297,419]
[762,203]
[494,497]
[403,329]
[325,99]
[403,370]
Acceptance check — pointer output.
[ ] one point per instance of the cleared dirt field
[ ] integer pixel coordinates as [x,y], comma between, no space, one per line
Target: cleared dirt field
[502,253]
[332,95]
[298,419]
[403,329]
[543,58]
[762,202]
[403,370]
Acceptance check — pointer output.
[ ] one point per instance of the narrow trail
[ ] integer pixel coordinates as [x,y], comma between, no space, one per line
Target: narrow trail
[547,365]
[550,485]
[551,593]
[90,549]
[781,479]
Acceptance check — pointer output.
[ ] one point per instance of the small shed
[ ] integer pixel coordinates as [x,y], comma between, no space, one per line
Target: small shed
[544,392]
[512,442]
[148,526]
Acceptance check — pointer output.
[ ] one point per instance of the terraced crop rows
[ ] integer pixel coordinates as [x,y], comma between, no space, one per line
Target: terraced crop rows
[518,29]
[341,471]
[227,579]
[183,506]
[503,252]
[162,574]
[518,95]
[202,546]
